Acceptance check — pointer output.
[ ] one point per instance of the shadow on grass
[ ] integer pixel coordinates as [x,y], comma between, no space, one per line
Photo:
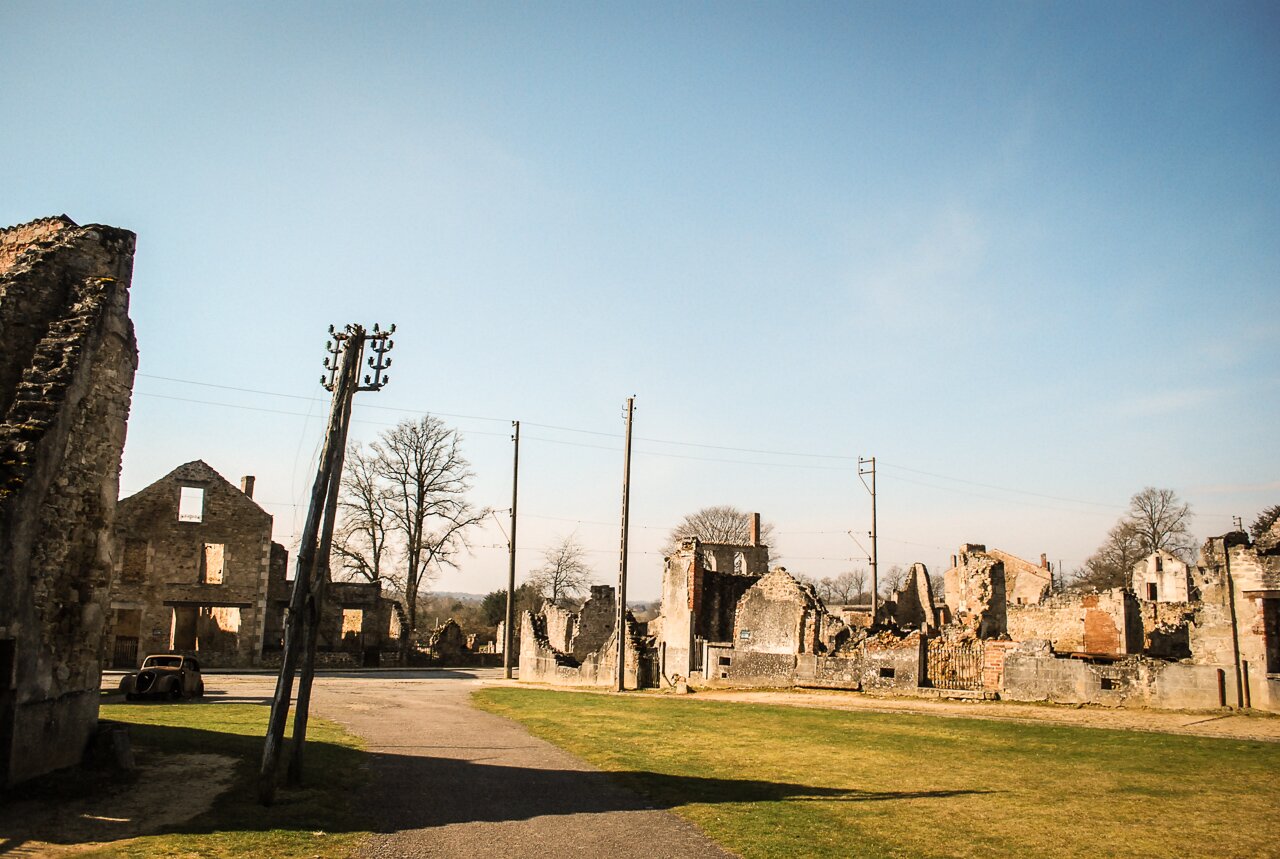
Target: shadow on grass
[400,792]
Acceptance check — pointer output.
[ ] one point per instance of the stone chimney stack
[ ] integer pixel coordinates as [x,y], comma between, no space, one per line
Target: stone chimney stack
[246,485]
[755,529]
[1044,561]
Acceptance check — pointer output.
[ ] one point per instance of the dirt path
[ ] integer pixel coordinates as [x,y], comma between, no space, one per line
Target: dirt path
[1229,724]
[449,780]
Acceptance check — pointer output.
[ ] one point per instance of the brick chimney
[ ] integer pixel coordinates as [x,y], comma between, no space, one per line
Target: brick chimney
[755,529]
[246,485]
[1044,561]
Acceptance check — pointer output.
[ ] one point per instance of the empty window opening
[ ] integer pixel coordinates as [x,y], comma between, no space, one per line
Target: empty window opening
[1159,564]
[725,660]
[888,673]
[213,563]
[191,504]
[1151,590]
[1110,683]
[133,565]
[352,623]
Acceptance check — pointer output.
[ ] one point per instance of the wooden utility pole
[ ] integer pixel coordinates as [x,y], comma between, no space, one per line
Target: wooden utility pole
[621,626]
[343,364]
[507,634]
[868,467]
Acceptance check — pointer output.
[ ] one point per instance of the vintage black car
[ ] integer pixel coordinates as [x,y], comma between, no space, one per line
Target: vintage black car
[164,675]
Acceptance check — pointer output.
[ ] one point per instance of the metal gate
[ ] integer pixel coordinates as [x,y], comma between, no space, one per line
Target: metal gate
[649,670]
[126,652]
[697,655]
[955,665]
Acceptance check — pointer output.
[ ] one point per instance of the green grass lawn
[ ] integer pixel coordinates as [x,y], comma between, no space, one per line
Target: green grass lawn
[317,820]
[777,781]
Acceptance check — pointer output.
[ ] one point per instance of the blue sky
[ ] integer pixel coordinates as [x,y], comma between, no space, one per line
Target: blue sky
[1024,254]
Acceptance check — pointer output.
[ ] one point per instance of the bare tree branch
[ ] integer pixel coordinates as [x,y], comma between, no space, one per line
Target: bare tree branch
[564,573]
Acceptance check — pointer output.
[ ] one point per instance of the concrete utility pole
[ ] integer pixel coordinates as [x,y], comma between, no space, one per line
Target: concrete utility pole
[621,625]
[868,467]
[301,625]
[507,635]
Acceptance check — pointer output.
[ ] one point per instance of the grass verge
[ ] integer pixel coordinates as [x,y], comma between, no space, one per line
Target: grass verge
[317,820]
[777,781]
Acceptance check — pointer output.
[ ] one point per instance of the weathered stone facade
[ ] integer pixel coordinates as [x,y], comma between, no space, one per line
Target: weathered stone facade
[701,586]
[913,605]
[589,655]
[67,361]
[1025,583]
[1162,577]
[1107,623]
[193,571]
[975,591]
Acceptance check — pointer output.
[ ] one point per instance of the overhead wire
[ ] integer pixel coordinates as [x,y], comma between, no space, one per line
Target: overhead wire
[642,452]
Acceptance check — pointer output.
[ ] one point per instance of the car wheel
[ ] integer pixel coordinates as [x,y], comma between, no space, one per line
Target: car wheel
[129,696]
[200,689]
[175,691]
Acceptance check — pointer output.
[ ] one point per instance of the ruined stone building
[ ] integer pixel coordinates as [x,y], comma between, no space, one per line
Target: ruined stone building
[194,567]
[1162,577]
[67,361]
[580,648]
[1025,583]
[196,571]
[976,592]
[701,586]
[1184,636]
[359,627]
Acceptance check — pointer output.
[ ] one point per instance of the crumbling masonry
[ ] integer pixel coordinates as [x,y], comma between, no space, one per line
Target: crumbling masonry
[67,360]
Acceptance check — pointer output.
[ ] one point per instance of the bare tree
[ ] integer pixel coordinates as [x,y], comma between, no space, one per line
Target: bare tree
[1162,520]
[722,524]
[1156,519]
[564,573]
[891,580]
[420,467]
[844,589]
[362,540]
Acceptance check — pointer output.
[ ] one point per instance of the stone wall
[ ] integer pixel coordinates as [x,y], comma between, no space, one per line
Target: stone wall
[913,604]
[1166,628]
[357,619]
[885,663]
[542,663]
[67,360]
[594,623]
[778,614]
[1108,622]
[1033,673]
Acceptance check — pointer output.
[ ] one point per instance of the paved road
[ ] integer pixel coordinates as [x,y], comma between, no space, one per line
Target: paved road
[450,780]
